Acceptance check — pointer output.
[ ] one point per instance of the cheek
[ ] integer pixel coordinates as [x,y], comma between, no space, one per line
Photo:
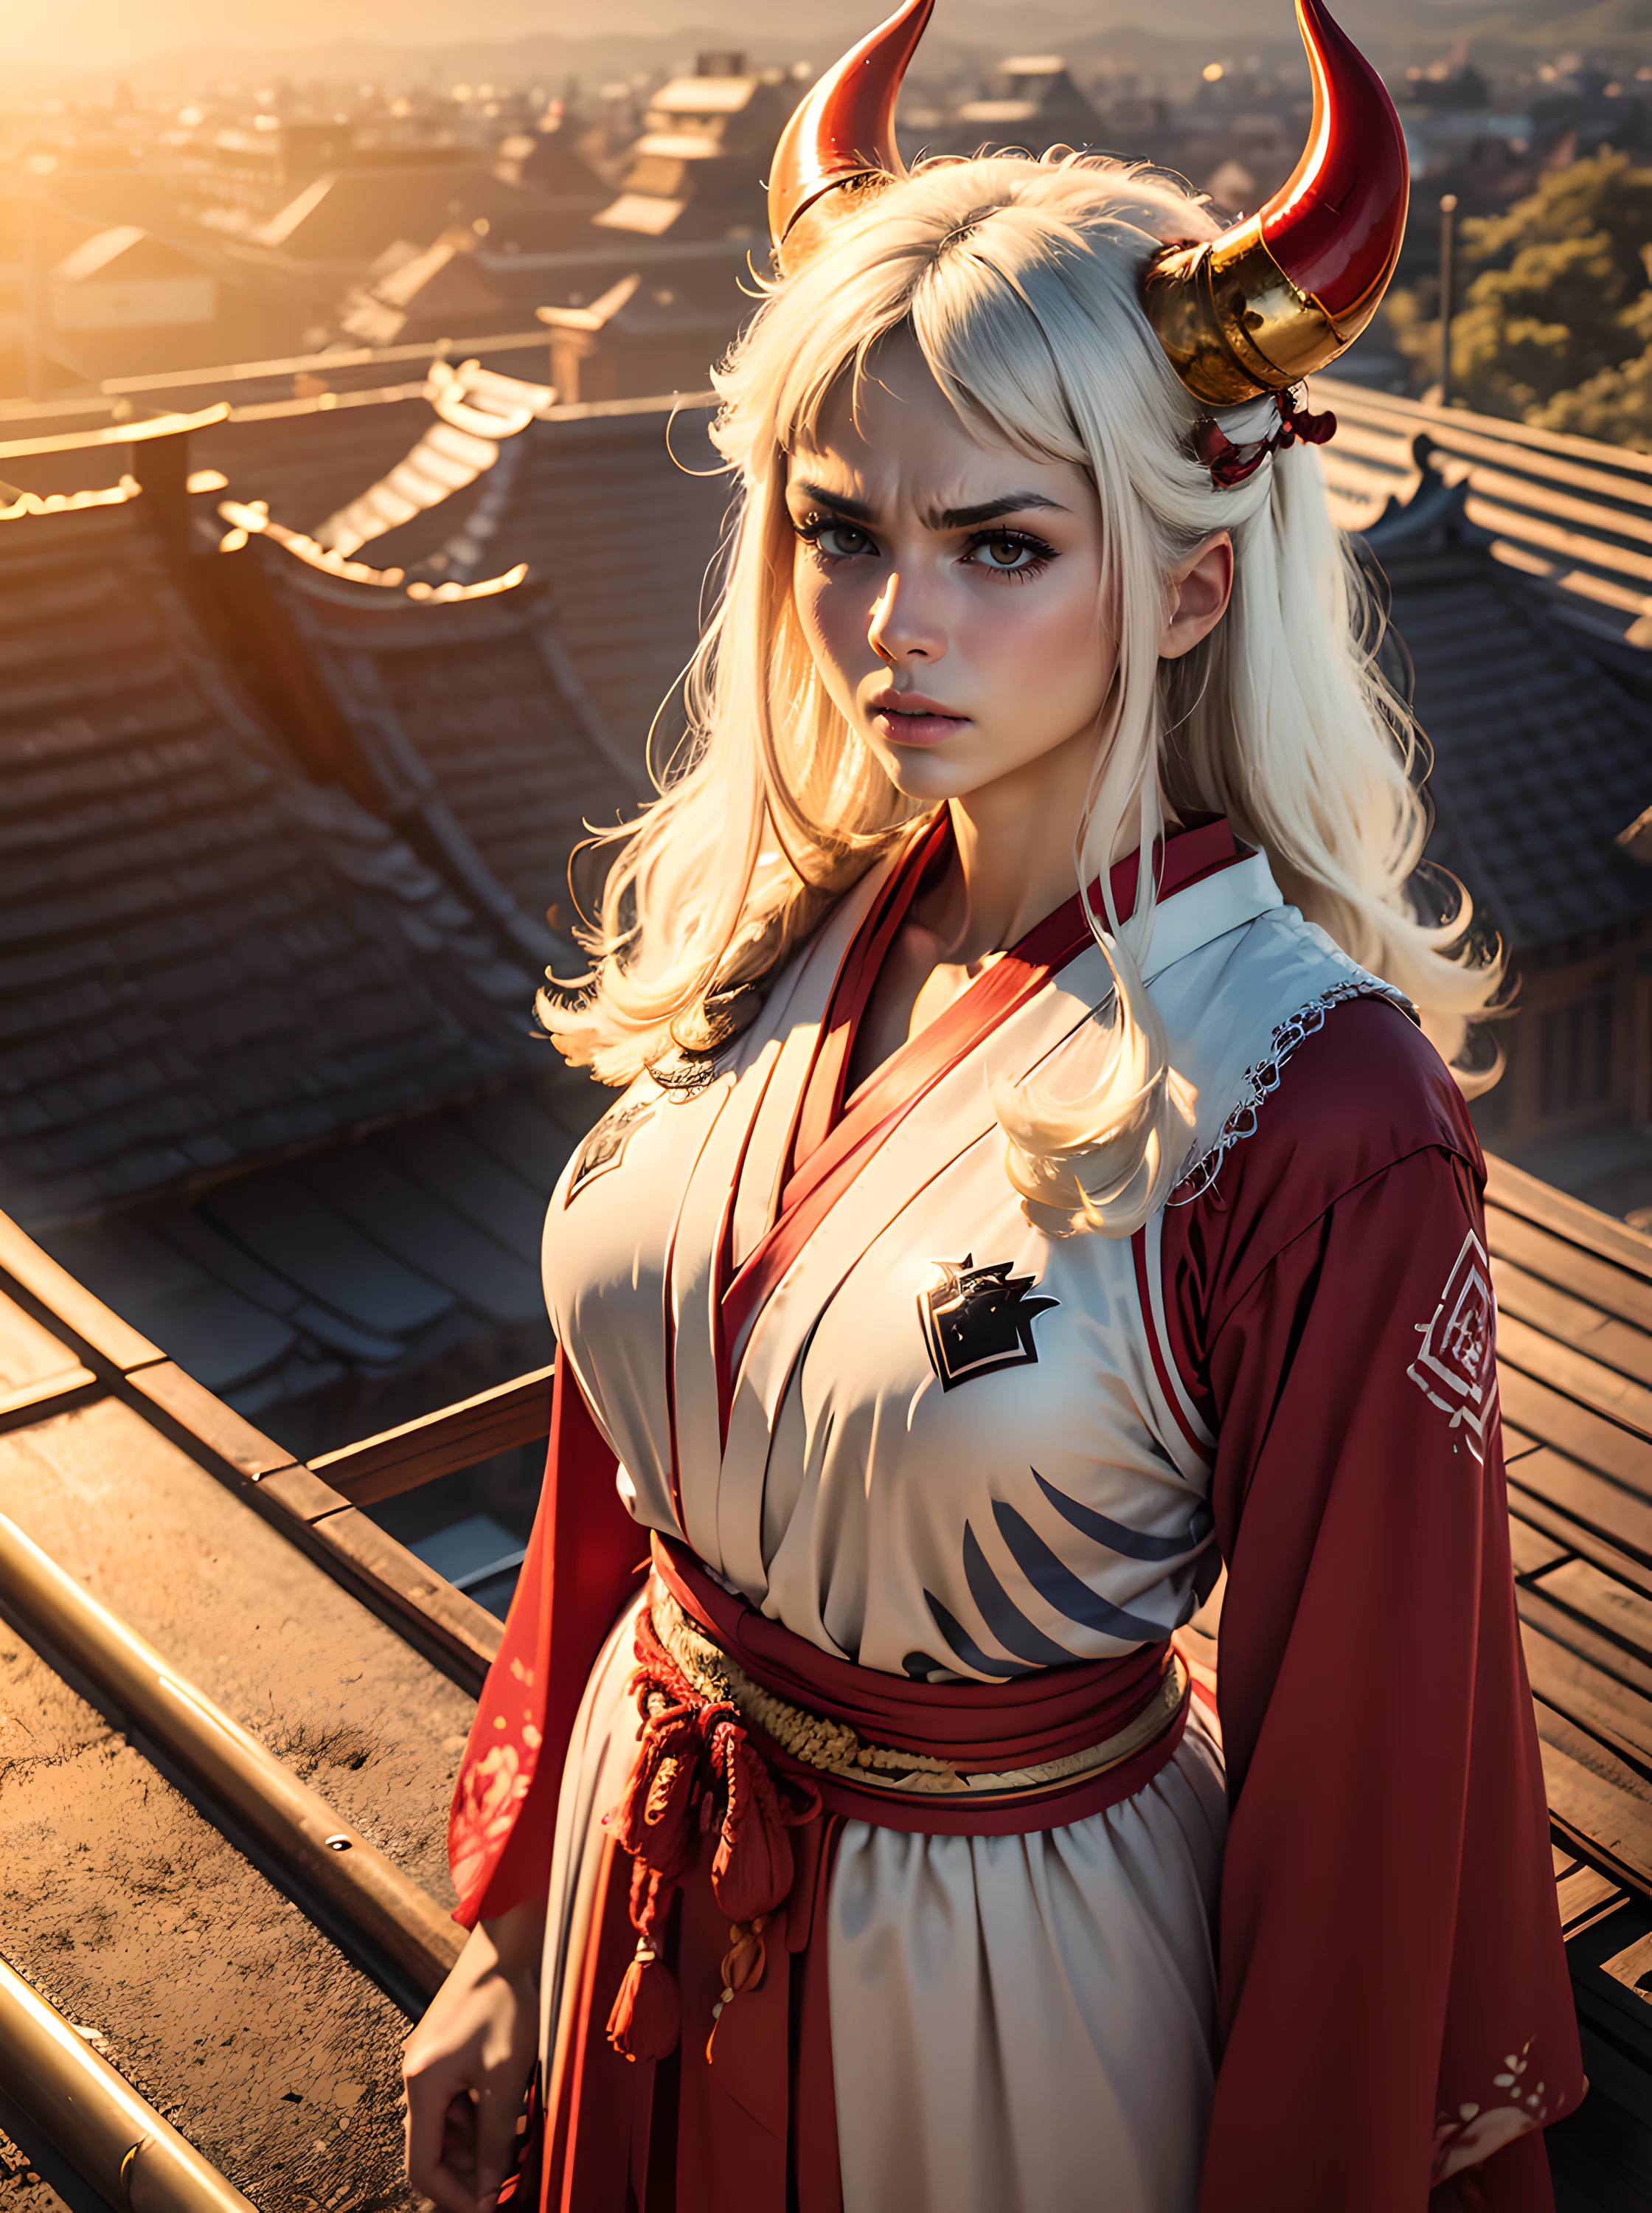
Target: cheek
[832,622]
[1046,641]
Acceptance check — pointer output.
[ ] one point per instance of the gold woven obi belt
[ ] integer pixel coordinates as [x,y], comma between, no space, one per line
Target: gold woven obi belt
[939,1758]
[827,1745]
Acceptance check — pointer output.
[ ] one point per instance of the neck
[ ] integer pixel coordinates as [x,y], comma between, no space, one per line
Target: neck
[1012,859]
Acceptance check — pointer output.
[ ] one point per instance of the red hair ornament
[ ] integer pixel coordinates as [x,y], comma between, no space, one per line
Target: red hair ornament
[1230,464]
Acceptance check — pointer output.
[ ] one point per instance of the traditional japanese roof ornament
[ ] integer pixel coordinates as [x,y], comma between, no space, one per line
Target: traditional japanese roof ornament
[1277,296]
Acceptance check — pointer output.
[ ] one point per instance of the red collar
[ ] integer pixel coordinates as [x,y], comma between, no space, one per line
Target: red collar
[833,1141]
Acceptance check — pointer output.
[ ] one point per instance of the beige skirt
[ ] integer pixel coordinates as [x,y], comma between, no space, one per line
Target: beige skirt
[1020,2024]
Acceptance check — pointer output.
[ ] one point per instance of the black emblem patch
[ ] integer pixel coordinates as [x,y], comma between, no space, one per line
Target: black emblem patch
[605,1147]
[978,1320]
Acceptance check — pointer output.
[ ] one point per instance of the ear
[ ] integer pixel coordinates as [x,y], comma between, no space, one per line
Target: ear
[1200,589]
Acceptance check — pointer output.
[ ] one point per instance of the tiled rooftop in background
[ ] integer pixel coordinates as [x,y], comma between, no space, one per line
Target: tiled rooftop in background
[357,1286]
[1540,757]
[203,958]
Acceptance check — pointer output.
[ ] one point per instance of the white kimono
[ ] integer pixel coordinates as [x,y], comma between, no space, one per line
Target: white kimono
[949,1445]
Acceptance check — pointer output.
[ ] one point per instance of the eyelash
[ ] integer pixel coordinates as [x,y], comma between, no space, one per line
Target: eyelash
[811,529]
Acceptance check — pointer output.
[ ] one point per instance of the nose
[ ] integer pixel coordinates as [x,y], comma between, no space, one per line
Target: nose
[905,625]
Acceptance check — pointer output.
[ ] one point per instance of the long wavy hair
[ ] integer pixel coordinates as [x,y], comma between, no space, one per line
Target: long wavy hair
[1018,282]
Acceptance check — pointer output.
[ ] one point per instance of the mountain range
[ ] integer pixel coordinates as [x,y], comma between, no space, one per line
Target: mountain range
[510,42]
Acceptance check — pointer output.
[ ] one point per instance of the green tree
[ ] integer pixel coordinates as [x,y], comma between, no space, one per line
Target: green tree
[1556,312]
[1615,404]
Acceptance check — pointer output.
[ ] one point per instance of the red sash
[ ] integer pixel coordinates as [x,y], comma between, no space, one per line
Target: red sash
[715,2055]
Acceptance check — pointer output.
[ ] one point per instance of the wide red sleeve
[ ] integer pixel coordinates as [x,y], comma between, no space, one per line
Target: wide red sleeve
[1395,2007]
[582,1560]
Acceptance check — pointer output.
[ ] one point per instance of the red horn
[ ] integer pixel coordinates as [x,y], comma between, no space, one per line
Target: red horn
[1283,293]
[843,134]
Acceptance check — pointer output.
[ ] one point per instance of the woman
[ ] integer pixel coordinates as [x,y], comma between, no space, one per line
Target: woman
[1017,1212]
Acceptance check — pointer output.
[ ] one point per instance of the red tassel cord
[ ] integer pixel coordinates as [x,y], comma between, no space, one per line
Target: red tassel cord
[696,1771]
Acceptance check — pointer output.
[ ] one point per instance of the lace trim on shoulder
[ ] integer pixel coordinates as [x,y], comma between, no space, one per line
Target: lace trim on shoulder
[1262,1077]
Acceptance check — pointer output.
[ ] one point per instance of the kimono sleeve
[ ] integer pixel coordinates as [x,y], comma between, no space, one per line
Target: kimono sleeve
[1395,2004]
[582,1560]
[1396,2019]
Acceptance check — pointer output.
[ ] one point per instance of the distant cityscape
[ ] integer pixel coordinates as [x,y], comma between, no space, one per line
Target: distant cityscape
[606,230]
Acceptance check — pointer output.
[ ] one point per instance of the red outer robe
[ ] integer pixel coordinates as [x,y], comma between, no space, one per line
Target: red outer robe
[1389,1937]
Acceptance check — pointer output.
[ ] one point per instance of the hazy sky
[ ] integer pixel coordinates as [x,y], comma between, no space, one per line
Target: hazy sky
[104,33]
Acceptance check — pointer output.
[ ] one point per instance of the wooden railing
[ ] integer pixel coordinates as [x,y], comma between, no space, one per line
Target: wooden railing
[443,1443]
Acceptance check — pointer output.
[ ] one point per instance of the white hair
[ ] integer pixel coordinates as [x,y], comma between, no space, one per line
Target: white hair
[1018,281]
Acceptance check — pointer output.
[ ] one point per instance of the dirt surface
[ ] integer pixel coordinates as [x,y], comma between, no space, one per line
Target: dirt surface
[188,1969]
[189,1973]
[22,2190]
[324,1684]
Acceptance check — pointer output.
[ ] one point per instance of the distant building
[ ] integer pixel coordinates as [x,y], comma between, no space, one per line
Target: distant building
[1035,106]
[546,161]
[124,280]
[1455,83]
[695,172]
[412,294]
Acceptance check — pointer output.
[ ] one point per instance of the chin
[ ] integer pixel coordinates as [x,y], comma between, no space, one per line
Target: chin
[931,777]
[935,773]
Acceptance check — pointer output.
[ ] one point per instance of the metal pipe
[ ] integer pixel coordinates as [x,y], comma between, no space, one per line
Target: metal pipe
[1448,289]
[105,2131]
[299,1828]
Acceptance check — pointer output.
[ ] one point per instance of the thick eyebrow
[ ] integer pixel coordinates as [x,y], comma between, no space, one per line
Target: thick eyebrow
[966,518]
[942,518]
[856,509]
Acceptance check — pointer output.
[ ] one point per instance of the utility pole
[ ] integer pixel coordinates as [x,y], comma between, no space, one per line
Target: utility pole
[38,167]
[33,380]
[1447,289]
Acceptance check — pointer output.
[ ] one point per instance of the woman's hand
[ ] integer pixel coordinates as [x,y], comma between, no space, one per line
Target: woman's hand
[467,2064]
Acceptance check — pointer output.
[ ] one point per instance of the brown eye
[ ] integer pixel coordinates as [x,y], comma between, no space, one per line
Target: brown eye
[831,536]
[1006,552]
[842,540]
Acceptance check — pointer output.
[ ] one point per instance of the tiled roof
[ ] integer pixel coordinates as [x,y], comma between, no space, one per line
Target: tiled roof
[626,596]
[306,459]
[203,958]
[1573,516]
[355,1287]
[1516,564]
[469,695]
[1539,757]
[338,1289]
[616,510]
[616,507]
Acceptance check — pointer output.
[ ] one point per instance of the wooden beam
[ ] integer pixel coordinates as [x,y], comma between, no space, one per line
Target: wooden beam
[460,1637]
[1602,1390]
[54,1289]
[1616,1290]
[454,1437]
[1597,1802]
[1572,1321]
[1575,1432]
[320,1851]
[464,1637]
[205,1420]
[1597,1232]
[1591,1516]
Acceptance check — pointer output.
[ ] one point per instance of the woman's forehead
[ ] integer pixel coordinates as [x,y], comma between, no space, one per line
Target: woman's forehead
[897,441]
